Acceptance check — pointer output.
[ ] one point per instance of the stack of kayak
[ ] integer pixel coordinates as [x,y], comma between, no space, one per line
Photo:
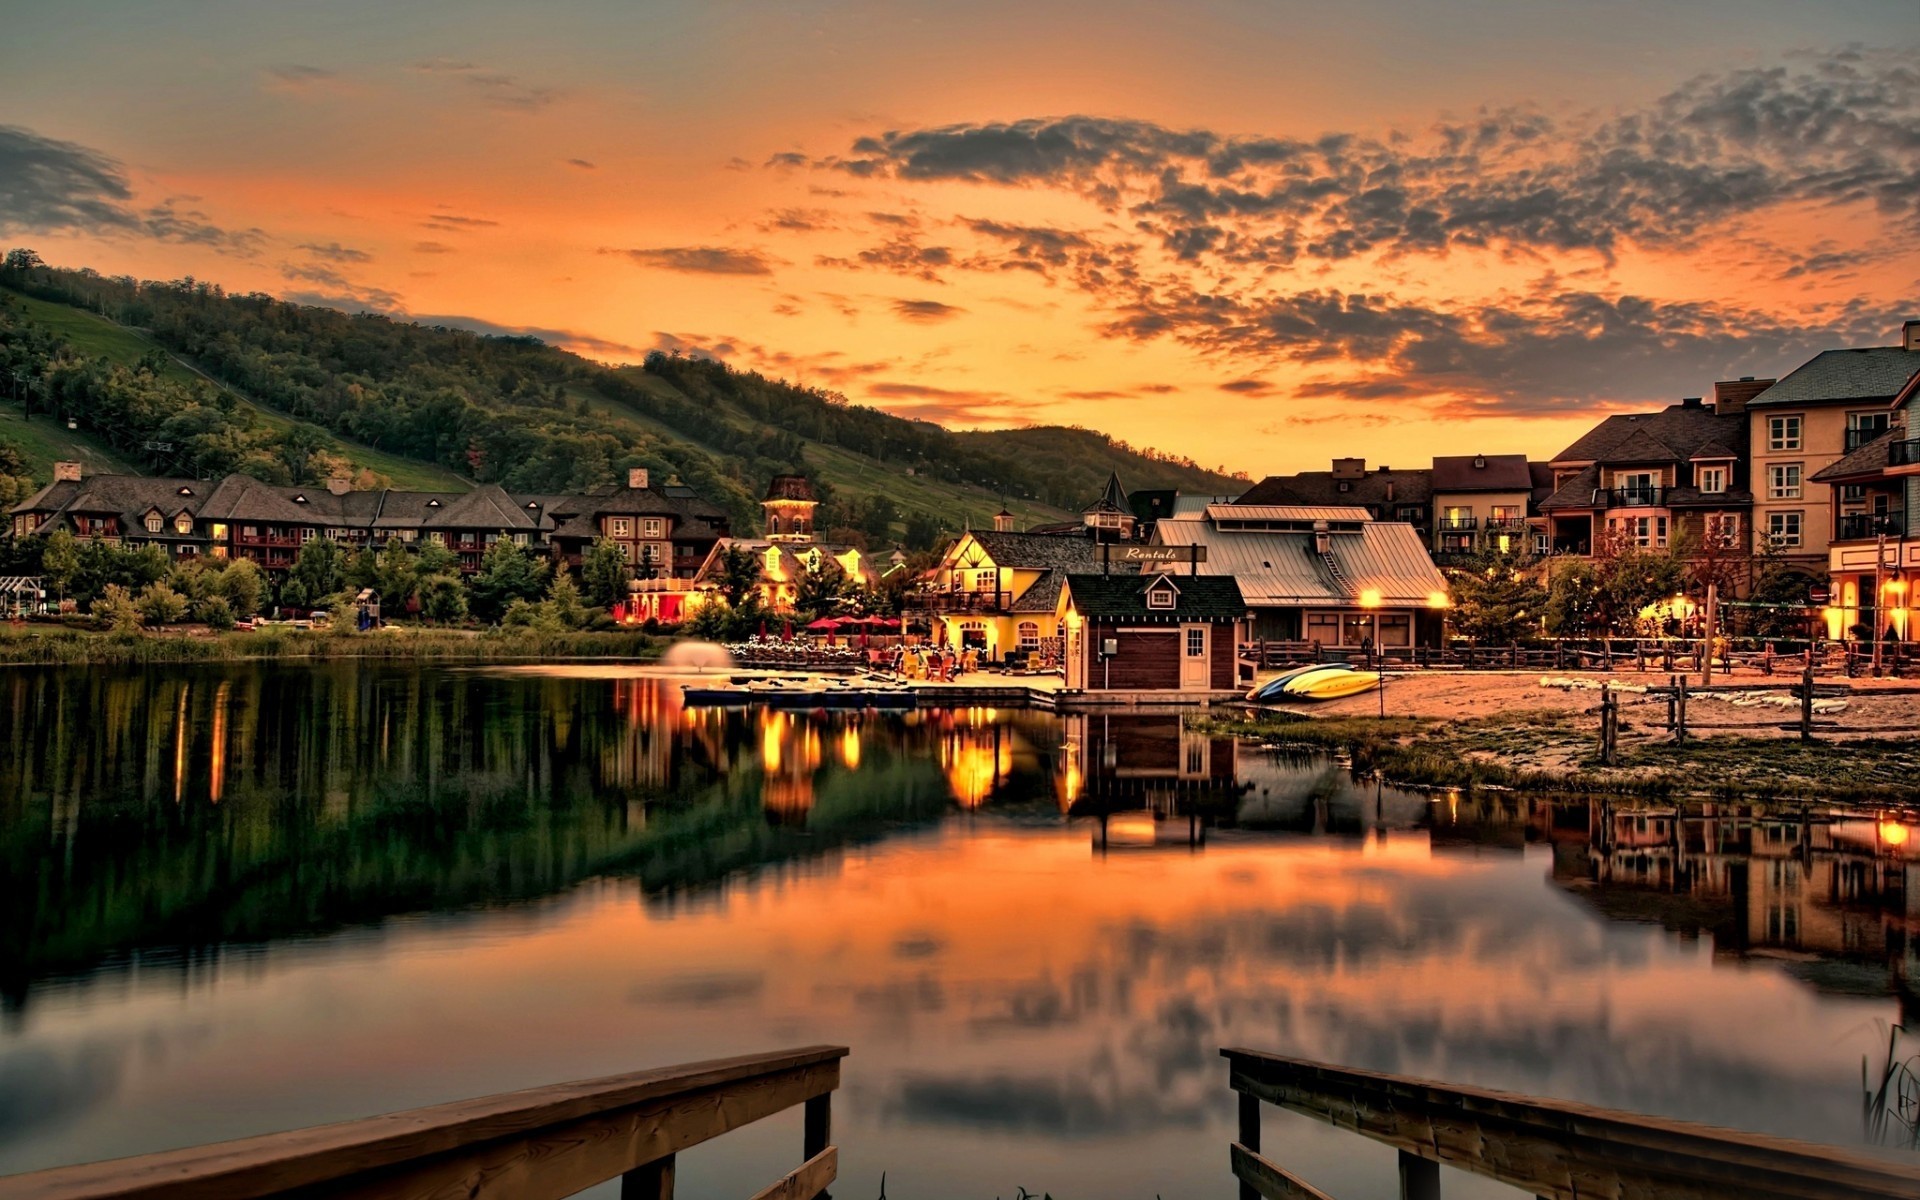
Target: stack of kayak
[1315,681]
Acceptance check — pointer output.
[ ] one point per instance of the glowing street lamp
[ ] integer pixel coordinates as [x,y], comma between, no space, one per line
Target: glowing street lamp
[1370,600]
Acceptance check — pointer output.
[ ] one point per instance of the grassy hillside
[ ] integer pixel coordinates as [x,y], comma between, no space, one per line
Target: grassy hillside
[95,336]
[294,387]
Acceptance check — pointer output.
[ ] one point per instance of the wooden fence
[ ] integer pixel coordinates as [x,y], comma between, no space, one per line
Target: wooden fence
[540,1144]
[1548,1148]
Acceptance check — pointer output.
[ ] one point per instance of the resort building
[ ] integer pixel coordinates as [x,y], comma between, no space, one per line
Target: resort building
[1637,479]
[1484,502]
[1386,494]
[1873,551]
[1833,404]
[241,517]
[787,554]
[997,591]
[1325,574]
[1152,633]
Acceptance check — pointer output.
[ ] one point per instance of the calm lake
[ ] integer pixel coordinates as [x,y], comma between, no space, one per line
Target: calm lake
[244,898]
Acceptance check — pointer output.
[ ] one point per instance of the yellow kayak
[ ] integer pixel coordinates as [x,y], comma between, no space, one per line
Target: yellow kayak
[1333,685]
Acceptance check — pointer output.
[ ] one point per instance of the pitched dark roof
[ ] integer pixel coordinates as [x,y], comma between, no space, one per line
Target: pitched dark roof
[1075,551]
[1671,435]
[485,507]
[1321,488]
[1481,473]
[1113,497]
[1869,459]
[1043,596]
[1578,492]
[789,487]
[1865,373]
[1713,451]
[1200,597]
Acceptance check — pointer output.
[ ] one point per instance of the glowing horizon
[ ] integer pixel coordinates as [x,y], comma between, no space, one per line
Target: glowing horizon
[1260,237]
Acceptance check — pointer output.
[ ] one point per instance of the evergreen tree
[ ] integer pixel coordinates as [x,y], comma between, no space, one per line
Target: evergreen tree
[506,574]
[1496,599]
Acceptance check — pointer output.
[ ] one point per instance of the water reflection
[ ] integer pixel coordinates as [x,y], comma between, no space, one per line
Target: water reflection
[239,899]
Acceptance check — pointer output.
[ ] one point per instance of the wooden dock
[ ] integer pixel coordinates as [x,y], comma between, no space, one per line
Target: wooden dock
[540,1144]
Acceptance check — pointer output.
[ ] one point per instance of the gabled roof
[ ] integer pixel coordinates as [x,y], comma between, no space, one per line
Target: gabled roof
[244,498]
[1074,551]
[1320,487]
[1869,459]
[1712,452]
[1671,435]
[1197,598]
[1865,373]
[1481,473]
[485,507]
[789,556]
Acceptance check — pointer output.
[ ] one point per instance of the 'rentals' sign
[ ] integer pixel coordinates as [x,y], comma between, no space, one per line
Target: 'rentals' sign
[1160,554]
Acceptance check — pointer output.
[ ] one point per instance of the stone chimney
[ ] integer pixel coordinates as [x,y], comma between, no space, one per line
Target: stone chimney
[66,472]
[637,479]
[1692,402]
[1003,522]
[339,485]
[1730,396]
[1910,335]
[1349,468]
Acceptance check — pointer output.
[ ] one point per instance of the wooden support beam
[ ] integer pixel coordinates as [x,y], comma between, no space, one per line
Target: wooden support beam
[1419,1178]
[1267,1180]
[807,1180]
[651,1181]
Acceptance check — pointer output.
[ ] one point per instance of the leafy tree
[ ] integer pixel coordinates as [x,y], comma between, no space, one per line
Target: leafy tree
[442,599]
[318,572]
[1635,579]
[739,570]
[241,587]
[506,574]
[213,612]
[21,259]
[603,569]
[394,577]
[1780,585]
[161,605]
[433,558]
[16,481]
[823,592]
[60,561]
[711,622]
[1576,602]
[564,599]
[116,609]
[1497,599]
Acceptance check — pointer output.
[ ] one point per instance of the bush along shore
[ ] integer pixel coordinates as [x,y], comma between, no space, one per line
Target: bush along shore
[1558,752]
[72,644]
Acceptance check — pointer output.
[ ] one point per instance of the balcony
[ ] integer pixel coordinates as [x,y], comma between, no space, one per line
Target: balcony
[982,601]
[1904,453]
[1457,524]
[1635,497]
[1857,438]
[1505,524]
[1860,527]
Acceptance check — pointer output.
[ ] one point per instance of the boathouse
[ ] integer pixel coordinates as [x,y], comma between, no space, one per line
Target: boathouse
[1152,632]
[1317,573]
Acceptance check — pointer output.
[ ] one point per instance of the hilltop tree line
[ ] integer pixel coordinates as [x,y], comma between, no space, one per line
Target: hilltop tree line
[507,410]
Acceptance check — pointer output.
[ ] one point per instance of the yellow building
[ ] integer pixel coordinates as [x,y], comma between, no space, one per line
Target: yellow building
[996,591]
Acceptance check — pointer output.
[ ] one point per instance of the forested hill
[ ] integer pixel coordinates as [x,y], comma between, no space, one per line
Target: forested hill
[184,378]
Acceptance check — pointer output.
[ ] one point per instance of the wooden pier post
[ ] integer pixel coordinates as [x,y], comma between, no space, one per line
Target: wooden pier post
[1806,699]
[1609,724]
[1680,730]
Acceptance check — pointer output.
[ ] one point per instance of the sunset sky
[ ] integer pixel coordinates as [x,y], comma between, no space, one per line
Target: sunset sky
[1257,233]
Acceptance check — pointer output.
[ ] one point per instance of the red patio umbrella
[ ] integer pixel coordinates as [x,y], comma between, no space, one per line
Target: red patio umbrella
[825,625]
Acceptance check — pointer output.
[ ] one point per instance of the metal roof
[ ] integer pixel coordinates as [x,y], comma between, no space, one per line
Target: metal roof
[1283,568]
[1286,512]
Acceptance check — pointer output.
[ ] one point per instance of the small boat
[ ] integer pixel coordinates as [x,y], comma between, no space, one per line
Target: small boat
[1333,685]
[1290,690]
[1272,689]
[716,697]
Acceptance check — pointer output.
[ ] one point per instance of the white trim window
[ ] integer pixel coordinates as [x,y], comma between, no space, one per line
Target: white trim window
[1783,529]
[1162,597]
[1783,481]
[1027,636]
[155,523]
[1711,481]
[621,527]
[650,527]
[1783,433]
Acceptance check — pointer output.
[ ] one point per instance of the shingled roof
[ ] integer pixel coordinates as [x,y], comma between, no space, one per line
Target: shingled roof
[1198,597]
[1674,434]
[1865,373]
[1320,487]
[1029,550]
[1869,459]
[1481,473]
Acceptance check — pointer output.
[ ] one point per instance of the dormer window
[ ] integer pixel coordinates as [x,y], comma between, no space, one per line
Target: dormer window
[183,524]
[433,504]
[1162,597]
[154,522]
[300,499]
[185,491]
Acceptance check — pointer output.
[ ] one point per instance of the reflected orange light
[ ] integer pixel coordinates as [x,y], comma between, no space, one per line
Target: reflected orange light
[773,725]
[1893,833]
[850,748]
[217,771]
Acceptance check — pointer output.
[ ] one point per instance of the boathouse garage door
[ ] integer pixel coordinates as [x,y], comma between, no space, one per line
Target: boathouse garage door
[1195,660]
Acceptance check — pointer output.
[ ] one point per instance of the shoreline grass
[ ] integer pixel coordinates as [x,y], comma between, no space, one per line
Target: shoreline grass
[81,647]
[1504,752]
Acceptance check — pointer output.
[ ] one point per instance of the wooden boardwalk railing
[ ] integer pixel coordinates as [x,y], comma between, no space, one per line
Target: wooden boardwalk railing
[540,1144]
[1547,1147]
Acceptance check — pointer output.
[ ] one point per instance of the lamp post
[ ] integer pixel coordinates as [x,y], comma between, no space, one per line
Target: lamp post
[1370,600]
[1881,526]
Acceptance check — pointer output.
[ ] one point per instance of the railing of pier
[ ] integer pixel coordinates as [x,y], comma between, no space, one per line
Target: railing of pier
[539,1144]
[1549,1148]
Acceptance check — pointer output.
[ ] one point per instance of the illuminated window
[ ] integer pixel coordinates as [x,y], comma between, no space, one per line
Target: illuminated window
[1027,634]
